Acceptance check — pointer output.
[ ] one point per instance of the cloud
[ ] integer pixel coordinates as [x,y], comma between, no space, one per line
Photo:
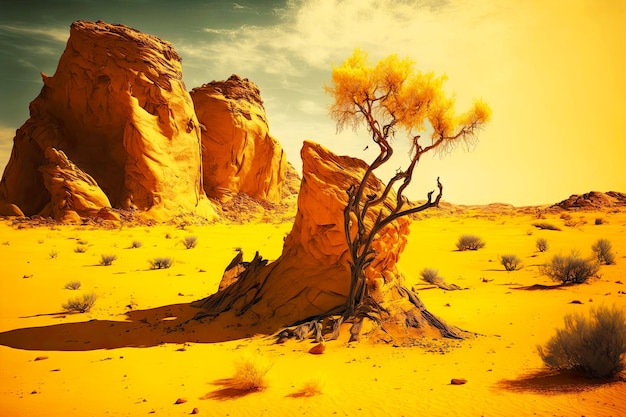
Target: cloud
[56,34]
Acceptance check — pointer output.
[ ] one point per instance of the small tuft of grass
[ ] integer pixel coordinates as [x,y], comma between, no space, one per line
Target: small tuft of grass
[250,372]
[136,244]
[72,285]
[80,249]
[81,242]
[602,249]
[107,260]
[469,242]
[190,241]
[160,263]
[511,262]
[80,304]
[542,244]
[546,226]
[53,254]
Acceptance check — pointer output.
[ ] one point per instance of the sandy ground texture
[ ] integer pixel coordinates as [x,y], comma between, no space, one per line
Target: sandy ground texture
[138,353]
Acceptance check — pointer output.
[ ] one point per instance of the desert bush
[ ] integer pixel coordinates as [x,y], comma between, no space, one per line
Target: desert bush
[511,262]
[81,242]
[160,263]
[546,226]
[136,244]
[469,242]
[311,387]
[429,275]
[53,254]
[565,216]
[190,241]
[80,249]
[603,251]
[593,347]
[570,269]
[106,260]
[542,244]
[72,285]
[599,221]
[80,304]
[250,372]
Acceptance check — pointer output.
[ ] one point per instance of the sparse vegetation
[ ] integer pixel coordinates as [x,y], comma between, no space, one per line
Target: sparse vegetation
[571,269]
[161,263]
[250,372]
[429,275]
[593,347]
[190,242]
[72,285]
[603,251]
[599,221]
[81,242]
[80,249]
[546,226]
[469,242]
[511,262]
[542,244]
[107,260]
[53,254]
[80,304]
[311,387]
[136,244]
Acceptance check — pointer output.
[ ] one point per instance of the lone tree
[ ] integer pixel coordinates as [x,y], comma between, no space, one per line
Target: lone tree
[390,99]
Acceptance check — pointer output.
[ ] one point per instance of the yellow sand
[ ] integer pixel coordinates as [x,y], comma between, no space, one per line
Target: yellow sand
[137,351]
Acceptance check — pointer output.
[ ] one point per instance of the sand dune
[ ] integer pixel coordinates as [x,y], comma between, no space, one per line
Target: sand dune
[138,350]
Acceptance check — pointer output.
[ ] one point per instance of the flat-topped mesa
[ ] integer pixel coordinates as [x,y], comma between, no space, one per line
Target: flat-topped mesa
[312,276]
[118,111]
[239,155]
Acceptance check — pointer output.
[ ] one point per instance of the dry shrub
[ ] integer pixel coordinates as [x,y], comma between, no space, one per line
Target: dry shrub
[593,347]
[542,244]
[161,263]
[136,244]
[72,285]
[250,373]
[469,242]
[511,262]
[599,221]
[80,304]
[602,249]
[429,275]
[53,254]
[80,249]
[570,269]
[311,387]
[190,242]
[107,260]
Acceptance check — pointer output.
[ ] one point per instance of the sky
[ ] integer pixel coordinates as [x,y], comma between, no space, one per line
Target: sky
[553,72]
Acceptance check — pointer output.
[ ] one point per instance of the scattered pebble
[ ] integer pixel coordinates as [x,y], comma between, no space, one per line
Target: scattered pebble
[195,411]
[458,381]
[575,302]
[41,358]
[181,401]
[318,349]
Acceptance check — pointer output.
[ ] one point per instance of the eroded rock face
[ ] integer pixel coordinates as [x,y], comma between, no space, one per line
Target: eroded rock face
[238,153]
[312,274]
[593,200]
[114,127]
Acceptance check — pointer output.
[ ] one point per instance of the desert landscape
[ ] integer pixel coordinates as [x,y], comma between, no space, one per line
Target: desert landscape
[162,254]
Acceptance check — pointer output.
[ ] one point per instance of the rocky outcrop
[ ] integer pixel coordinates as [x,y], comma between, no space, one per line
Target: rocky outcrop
[114,127]
[238,153]
[593,200]
[312,275]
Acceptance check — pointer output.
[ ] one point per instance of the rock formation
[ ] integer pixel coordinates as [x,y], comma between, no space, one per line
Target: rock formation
[593,200]
[312,275]
[114,127]
[238,153]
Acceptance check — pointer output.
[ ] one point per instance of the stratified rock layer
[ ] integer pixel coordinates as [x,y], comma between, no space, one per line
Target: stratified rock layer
[238,153]
[114,127]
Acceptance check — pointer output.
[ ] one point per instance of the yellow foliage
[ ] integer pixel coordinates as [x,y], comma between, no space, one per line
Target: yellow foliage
[393,94]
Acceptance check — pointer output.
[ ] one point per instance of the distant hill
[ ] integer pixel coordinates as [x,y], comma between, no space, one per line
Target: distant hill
[593,200]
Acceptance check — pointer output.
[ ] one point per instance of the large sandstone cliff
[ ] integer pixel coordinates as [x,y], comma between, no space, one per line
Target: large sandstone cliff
[312,275]
[114,127]
[238,153]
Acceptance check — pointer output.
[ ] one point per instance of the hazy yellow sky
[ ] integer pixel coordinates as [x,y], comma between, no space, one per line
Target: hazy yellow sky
[553,71]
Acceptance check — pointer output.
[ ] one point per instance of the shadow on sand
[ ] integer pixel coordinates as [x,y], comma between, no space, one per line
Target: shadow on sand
[142,328]
[228,391]
[552,383]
